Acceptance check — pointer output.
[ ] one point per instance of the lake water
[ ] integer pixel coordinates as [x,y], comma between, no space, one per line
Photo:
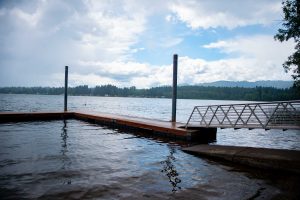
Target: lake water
[154,108]
[72,159]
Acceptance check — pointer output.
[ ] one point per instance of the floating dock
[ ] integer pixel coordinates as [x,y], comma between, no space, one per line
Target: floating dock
[165,128]
[275,159]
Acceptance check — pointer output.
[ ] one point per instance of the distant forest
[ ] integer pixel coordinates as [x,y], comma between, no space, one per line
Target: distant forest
[183,92]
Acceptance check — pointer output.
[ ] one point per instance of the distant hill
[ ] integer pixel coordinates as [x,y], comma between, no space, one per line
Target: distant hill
[246,84]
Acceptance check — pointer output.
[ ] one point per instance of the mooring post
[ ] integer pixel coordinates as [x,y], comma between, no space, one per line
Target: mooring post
[174,96]
[66,89]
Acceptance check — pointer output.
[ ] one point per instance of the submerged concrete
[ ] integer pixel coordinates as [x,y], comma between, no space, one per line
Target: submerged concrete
[273,159]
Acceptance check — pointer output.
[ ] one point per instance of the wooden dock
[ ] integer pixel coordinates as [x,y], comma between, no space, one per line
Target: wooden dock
[165,128]
[171,128]
[285,160]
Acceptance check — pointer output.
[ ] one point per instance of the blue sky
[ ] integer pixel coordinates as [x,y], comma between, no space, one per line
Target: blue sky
[131,42]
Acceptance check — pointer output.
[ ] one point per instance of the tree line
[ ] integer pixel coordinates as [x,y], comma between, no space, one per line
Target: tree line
[183,92]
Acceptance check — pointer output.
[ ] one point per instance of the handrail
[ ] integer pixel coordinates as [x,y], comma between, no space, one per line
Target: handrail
[266,115]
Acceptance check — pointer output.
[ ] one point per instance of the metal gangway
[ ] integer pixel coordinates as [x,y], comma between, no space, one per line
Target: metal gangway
[272,115]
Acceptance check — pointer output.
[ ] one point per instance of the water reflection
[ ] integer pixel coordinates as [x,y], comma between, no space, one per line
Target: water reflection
[76,153]
[64,136]
[64,149]
[169,169]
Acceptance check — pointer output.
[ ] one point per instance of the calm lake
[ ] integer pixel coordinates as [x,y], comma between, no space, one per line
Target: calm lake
[154,108]
[72,159]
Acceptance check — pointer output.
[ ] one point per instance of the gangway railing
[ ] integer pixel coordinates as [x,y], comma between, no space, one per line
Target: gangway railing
[272,115]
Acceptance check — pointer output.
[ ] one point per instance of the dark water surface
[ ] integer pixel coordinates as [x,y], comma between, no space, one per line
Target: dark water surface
[77,160]
[151,108]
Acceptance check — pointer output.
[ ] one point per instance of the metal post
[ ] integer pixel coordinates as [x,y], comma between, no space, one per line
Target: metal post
[66,89]
[174,96]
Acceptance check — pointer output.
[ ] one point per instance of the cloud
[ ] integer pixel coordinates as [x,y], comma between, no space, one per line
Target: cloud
[116,69]
[260,47]
[28,18]
[90,79]
[121,74]
[250,58]
[193,71]
[99,41]
[96,30]
[42,37]
[124,74]
[228,14]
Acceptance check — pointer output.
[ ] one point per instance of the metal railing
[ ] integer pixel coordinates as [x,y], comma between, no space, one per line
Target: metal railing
[273,115]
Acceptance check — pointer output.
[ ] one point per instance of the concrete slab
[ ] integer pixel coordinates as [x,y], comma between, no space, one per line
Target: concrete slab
[274,159]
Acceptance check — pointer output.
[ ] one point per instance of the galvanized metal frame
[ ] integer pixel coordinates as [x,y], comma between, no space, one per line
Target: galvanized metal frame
[271,115]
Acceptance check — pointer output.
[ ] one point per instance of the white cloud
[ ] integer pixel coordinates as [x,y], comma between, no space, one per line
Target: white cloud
[116,68]
[98,38]
[84,79]
[43,36]
[98,28]
[260,47]
[142,75]
[31,19]
[119,74]
[251,58]
[229,14]
[193,71]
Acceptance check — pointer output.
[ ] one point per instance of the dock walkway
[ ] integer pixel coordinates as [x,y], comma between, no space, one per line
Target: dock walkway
[136,122]
[172,129]
[267,115]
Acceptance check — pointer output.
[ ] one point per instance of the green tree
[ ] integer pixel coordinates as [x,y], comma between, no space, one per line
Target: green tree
[291,29]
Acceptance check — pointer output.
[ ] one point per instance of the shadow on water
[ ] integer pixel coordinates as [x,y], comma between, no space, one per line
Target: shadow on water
[64,150]
[169,169]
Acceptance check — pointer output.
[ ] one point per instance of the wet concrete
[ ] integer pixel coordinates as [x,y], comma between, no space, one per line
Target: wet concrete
[273,159]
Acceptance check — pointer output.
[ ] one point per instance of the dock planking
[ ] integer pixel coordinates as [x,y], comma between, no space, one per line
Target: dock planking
[33,116]
[137,122]
[166,127]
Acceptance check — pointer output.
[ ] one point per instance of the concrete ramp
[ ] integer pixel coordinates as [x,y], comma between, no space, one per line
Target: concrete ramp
[274,159]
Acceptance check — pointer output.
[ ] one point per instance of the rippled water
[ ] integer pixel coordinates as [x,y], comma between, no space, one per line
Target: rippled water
[152,108]
[77,160]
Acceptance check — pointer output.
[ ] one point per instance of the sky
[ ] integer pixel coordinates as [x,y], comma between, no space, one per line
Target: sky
[132,42]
